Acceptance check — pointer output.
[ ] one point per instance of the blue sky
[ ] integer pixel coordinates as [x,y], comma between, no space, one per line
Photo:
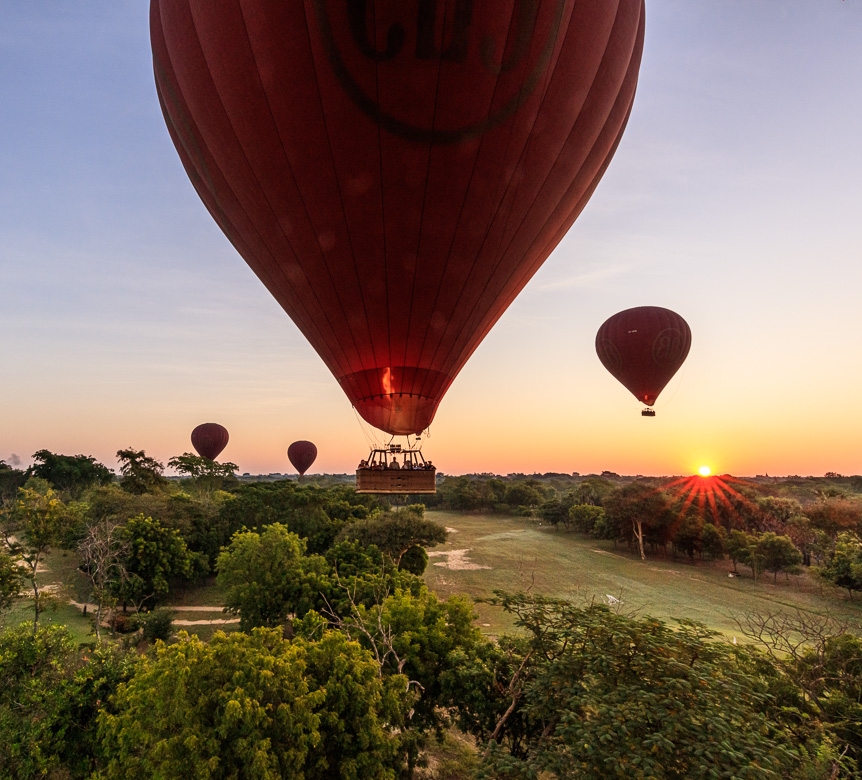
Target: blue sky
[734,199]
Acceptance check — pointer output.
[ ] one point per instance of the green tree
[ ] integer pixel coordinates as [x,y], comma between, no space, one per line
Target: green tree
[415,561]
[313,513]
[156,557]
[11,581]
[844,566]
[639,511]
[50,693]
[816,678]
[607,696]
[426,632]
[70,473]
[255,707]
[359,715]
[526,493]
[834,515]
[592,491]
[416,635]
[10,480]
[206,475]
[465,493]
[197,520]
[36,522]
[267,576]
[776,511]
[777,553]
[141,474]
[395,532]
[687,535]
[556,511]
[738,547]
[712,542]
[585,517]
[362,575]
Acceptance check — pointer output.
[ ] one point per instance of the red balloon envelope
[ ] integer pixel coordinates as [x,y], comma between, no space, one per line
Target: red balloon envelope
[395,171]
[301,454]
[643,348]
[209,439]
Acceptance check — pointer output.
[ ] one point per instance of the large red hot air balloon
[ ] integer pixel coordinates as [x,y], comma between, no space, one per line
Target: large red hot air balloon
[302,454]
[395,171]
[209,439]
[643,348]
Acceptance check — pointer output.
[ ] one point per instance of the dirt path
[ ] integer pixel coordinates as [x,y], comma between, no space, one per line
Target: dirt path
[213,622]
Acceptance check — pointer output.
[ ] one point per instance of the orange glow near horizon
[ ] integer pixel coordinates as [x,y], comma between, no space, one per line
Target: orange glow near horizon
[713,493]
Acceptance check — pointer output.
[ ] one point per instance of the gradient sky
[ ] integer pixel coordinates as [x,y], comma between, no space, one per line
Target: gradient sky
[734,199]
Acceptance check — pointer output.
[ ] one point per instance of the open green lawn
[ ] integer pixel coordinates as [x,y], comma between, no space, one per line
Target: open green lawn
[58,571]
[64,615]
[516,554]
[205,594]
[489,552]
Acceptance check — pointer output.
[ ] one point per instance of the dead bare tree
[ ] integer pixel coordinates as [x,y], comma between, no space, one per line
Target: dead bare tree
[799,643]
[370,623]
[102,552]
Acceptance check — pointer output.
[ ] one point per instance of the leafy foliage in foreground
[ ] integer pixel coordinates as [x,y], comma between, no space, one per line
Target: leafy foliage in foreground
[258,707]
[50,694]
[589,694]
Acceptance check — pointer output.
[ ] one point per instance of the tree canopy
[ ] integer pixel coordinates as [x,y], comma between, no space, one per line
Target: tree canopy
[141,474]
[587,693]
[255,707]
[267,576]
[156,557]
[395,532]
[70,473]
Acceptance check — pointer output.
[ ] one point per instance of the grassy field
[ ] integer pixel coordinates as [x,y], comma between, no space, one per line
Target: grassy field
[489,552]
[59,572]
[516,554]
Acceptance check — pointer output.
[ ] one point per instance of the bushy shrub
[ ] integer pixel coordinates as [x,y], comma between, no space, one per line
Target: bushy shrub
[415,561]
[157,624]
[124,623]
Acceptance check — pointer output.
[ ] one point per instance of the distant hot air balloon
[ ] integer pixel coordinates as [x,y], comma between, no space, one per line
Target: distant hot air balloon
[643,348]
[301,454]
[395,171]
[209,439]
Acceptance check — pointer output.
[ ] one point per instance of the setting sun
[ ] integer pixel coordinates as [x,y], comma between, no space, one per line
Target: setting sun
[704,471]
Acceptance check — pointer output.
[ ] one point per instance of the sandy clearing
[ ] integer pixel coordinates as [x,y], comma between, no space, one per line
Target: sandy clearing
[40,569]
[213,622]
[222,622]
[455,559]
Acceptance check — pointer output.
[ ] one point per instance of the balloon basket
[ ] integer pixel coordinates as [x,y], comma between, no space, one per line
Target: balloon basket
[648,413]
[395,469]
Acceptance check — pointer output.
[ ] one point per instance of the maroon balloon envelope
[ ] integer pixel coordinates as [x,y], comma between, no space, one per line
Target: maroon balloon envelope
[395,171]
[643,348]
[209,439]
[302,454]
